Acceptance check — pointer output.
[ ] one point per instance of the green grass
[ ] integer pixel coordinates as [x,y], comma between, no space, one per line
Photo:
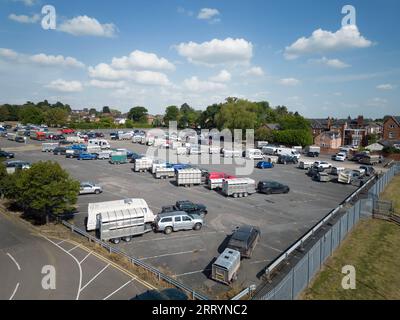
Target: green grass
[392,192]
[372,248]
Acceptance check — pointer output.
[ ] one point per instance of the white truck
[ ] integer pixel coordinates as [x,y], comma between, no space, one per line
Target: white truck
[103,144]
[143,164]
[254,154]
[188,177]
[130,204]
[49,147]
[239,187]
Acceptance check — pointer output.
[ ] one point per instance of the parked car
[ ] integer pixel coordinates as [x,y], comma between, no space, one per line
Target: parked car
[87,156]
[7,155]
[177,220]
[90,187]
[60,151]
[188,207]
[341,156]
[322,165]
[269,187]
[369,170]
[65,142]
[358,156]
[244,239]
[99,135]
[70,153]
[285,159]
[264,165]
[313,154]
[135,156]
[67,131]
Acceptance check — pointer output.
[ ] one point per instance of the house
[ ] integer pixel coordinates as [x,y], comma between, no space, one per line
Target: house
[120,121]
[374,128]
[329,140]
[391,128]
[375,147]
[150,119]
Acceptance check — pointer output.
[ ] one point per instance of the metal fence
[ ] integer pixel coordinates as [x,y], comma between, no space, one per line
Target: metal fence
[299,276]
[136,262]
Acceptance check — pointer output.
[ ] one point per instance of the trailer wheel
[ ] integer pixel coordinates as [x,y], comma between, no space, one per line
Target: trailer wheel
[167,230]
[127,239]
[197,226]
[246,194]
[235,195]
[116,240]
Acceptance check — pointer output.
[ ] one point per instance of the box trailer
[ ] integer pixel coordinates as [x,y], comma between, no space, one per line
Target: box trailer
[238,188]
[348,176]
[93,149]
[103,155]
[117,225]
[188,177]
[254,154]
[101,143]
[226,267]
[370,160]
[143,164]
[49,147]
[164,173]
[305,164]
[232,153]
[118,157]
[75,139]
[336,170]
[157,165]
[132,205]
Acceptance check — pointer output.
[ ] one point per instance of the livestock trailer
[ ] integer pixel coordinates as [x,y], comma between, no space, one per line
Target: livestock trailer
[188,177]
[226,267]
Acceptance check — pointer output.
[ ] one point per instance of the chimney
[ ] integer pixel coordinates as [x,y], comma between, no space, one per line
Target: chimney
[360,121]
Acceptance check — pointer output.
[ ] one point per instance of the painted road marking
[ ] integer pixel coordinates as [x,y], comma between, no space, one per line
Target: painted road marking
[172,254]
[85,257]
[120,288]
[15,261]
[94,278]
[74,248]
[15,291]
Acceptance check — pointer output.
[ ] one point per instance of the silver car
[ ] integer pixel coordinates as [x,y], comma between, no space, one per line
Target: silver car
[177,220]
[90,187]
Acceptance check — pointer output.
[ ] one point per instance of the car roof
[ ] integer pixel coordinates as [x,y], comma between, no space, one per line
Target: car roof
[243,232]
[172,213]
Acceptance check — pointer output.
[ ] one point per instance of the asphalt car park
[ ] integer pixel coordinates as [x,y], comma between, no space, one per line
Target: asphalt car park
[188,255]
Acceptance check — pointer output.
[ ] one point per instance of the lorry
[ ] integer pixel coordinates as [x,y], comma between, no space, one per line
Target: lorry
[254,154]
[143,164]
[129,205]
[239,187]
[214,180]
[188,177]
[49,147]
[164,173]
[226,267]
[118,157]
[312,151]
[102,143]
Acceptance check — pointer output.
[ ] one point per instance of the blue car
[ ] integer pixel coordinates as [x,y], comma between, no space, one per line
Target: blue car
[80,147]
[265,165]
[179,166]
[87,156]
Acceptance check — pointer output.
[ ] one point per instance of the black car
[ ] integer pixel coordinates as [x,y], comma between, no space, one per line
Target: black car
[244,239]
[60,151]
[99,135]
[114,136]
[65,142]
[269,187]
[186,206]
[313,154]
[285,159]
[134,156]
[7,155]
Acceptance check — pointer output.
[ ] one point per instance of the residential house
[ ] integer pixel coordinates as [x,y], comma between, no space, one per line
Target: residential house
[391,129]
[119,121]
[329,140]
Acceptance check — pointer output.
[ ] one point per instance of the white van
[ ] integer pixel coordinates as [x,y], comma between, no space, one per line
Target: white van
[288,152]
[103,144]
[254,154]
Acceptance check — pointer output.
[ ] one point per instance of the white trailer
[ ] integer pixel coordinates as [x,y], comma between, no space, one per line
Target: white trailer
[305,164]
[75,139]
[164,173]
[188,177]
[239,187]
[181,151]
[103,155]
[133,205]
[11,136]
[143,164]
[231,153]
[214,150]
[313,149]
[225,268]
[125,136]
[93,149]
[49,147]
[157,165]
[136,139]
[101,143]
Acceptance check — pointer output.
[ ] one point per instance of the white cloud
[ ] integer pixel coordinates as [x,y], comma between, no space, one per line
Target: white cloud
[223,76]
[217,51]
[65,86]
[145,77]
[142,60]
[87,26]
[195,85]
[333,63]
[254,71]
[207,13]
[8,53]
[106,84]
[348,37]
[289,81]
[49,60]
[24,18]
[385,86]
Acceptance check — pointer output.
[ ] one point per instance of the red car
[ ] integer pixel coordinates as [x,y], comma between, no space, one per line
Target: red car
[67,131]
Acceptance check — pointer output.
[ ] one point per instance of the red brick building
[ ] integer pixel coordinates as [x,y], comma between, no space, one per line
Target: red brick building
[391,129]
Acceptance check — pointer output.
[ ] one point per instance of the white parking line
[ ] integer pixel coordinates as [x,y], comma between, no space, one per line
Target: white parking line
[15,261]
[120,288]
[74,248]
[58,243]
[85,257]
[260,261]
[94,278]
[172,254]
[15,291]
[179,237]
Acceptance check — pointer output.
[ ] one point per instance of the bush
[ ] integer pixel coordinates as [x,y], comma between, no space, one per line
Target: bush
[391,150]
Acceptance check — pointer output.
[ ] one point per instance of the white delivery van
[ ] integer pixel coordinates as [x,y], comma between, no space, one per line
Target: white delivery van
[96,209]
[254,154]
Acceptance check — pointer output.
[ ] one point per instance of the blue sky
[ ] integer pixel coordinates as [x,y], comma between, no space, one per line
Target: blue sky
[159,53]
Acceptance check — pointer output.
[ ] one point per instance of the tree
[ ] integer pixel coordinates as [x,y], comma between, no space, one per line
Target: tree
[93,111]
[235,114]
[4,113]
[42,190]
[171,114]
[56,117]
[207,118]
[138,114]
[188,117]
[31,114]
[106,109]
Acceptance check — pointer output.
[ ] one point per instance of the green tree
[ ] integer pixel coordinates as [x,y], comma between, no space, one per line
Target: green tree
[235,114]
[44,189]
[138,114]
[31,114]
[56,117]
[106,109]
[4,113]
[171,114]
[93,111]
[207,118]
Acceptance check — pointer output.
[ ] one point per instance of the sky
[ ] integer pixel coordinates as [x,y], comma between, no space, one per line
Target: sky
[127,53]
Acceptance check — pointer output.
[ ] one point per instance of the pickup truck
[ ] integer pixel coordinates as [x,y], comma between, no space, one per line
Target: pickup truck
[87,156]
[186,206]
